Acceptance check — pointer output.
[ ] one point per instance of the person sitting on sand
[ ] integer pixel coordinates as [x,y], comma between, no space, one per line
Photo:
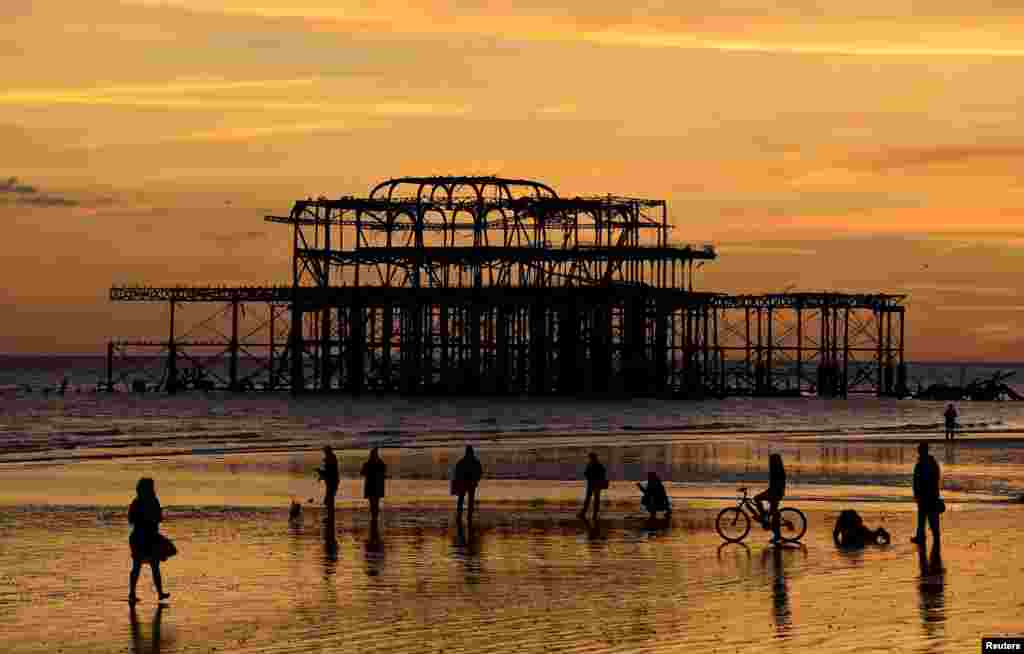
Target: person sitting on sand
[468,472]
[597,480]
[374,472]
[773,495]
[148,545]
[850,532]
[655,497]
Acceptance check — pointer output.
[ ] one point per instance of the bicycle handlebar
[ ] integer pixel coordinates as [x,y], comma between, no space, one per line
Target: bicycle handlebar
[742,489]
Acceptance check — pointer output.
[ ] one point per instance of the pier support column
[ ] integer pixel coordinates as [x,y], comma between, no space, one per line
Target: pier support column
[471,382]
[538,348]
[568,343]
[501,329]
[233,349]
[356,346]
[661,351]
[172,358]
[295,345]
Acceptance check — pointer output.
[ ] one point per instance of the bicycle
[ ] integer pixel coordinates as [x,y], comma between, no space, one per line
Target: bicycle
[733,523]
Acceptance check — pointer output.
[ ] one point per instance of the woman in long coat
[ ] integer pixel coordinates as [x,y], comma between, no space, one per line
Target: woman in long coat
[374,472]
[148,545]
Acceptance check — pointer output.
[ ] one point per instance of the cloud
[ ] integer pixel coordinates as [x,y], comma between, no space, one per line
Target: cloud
[231,241]
[903,158]
[13,192]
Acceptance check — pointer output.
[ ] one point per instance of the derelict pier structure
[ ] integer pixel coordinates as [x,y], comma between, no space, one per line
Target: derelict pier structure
[460,285]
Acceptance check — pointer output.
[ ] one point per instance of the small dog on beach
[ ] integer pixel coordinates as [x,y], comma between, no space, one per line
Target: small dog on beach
[850,532]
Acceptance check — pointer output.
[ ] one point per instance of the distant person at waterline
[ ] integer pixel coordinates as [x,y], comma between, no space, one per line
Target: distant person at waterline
[148,545]
[329,475]
[773,495]
[466,478]
[597,481]
[374,472]
[655,497]
[926,494]
[951,416]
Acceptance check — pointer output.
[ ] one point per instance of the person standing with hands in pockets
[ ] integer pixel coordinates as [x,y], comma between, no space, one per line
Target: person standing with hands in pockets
[597,481]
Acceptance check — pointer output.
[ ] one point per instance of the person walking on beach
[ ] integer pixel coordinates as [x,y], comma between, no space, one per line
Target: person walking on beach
[468,472]
[597,481]
[773,495]
[148,545]
[951,416]
[926,494]
[329,475]
[374,472]
[655,497]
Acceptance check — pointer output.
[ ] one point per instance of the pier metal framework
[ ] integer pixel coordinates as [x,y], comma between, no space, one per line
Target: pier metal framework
[456,285]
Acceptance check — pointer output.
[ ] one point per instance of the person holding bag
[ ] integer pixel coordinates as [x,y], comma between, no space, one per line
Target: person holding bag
[147,544]
[926,494]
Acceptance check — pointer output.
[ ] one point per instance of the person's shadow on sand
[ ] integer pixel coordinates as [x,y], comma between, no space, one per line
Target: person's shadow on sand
[374,551]
[932,587]
[156,640]
[466,549]
[775,558]
[330,553]
[597,533]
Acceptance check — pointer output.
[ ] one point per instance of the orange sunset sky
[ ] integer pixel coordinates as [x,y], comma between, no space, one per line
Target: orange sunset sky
[866,146]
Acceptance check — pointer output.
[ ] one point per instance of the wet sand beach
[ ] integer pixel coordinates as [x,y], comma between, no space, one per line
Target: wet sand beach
[535,580]
[528,575]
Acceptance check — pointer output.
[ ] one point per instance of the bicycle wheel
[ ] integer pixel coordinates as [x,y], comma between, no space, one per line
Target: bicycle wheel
[792,524]
[732,524]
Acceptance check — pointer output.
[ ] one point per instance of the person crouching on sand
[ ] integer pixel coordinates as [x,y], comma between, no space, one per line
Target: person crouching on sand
[655,497]
[374,472]
[148,545]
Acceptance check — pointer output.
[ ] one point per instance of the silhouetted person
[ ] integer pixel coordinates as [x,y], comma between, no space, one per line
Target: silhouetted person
[329,475]
[655,497]
[851,532]
[468,472]
[926,494]
[776,491]
[146,542]
[951,416]
[374,472]
[597,481]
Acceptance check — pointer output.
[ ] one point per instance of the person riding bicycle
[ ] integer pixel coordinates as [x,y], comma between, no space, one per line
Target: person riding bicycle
[776,491]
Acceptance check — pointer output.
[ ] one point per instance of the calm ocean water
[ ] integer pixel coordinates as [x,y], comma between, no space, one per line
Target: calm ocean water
[537,438]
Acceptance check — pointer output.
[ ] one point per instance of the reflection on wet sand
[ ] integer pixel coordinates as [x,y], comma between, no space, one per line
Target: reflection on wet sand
[776,559]
[140,645]
[932,589]
[254,581]
[466,550]
[373,550]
